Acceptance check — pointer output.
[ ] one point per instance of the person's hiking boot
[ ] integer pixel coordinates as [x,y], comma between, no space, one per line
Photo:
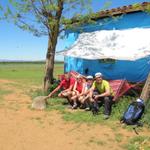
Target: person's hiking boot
[87,109]
[82,106]
[87,106]
[105,117]
[75,106]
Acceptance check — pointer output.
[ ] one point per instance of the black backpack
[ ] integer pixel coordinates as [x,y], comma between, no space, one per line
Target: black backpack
[133,113]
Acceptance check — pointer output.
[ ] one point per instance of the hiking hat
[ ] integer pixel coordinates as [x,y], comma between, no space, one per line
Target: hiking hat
[89,77]
[98,74]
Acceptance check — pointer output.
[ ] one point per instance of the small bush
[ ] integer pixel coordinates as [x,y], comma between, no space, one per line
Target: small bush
[40,92]
[53,86]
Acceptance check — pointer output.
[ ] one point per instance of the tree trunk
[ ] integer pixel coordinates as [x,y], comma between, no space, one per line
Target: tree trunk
[52,41]
[49,66]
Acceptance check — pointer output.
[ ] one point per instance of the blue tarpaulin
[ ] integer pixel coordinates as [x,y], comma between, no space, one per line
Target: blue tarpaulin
[133,71]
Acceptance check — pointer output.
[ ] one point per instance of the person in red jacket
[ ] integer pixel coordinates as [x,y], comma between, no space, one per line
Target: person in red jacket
[65,87]
[78,90]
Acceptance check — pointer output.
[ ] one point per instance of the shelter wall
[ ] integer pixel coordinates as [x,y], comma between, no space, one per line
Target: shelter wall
[131,70]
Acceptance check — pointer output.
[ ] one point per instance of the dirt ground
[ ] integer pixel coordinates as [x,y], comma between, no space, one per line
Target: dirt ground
[24,129]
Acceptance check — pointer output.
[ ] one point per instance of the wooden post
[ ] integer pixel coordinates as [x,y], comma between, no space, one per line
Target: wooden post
[145,95]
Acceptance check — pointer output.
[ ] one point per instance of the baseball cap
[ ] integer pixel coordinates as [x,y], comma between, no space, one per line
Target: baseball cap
[89,77]
[98,74]
[140,100]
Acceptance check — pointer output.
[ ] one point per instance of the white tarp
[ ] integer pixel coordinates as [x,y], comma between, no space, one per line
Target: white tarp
[129,44]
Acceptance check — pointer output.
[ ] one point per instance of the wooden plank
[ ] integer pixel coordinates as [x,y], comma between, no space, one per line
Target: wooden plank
[145,95]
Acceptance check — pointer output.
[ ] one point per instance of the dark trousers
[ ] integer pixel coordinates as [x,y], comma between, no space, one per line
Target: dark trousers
[107,102]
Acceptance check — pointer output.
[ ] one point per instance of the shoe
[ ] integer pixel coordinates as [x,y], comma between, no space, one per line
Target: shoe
[75,106]
[82,106]
[106,117]
[87,109]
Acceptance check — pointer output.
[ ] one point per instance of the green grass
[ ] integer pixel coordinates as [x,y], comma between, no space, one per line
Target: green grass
[96,141]
[3,92]
[79,116]
[31,74]
[56,104]
[146,118]
[119,107]
[138,143]
[27,73]
[82,116]
[118,137]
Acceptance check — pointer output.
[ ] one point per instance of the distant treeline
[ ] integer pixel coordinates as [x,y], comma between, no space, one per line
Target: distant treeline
[29,62]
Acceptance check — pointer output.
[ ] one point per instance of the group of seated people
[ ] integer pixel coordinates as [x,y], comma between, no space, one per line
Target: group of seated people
[86,92]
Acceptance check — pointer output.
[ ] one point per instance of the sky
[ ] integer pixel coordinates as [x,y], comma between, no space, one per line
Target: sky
[16,44]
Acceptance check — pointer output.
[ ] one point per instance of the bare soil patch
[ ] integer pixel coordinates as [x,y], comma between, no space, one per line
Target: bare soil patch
[24,129]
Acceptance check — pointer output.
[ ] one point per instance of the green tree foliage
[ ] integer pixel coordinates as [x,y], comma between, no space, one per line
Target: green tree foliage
[40,16]
[47,17]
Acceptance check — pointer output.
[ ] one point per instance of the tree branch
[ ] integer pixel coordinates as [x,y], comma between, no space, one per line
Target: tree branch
[59,11]
[40,14]
[47,13]
[61,30]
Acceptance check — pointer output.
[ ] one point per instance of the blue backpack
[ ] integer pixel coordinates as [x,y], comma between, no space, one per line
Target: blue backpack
[133,113]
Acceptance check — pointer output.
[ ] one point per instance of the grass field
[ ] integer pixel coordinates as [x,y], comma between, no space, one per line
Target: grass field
[24,76]
[29,73]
